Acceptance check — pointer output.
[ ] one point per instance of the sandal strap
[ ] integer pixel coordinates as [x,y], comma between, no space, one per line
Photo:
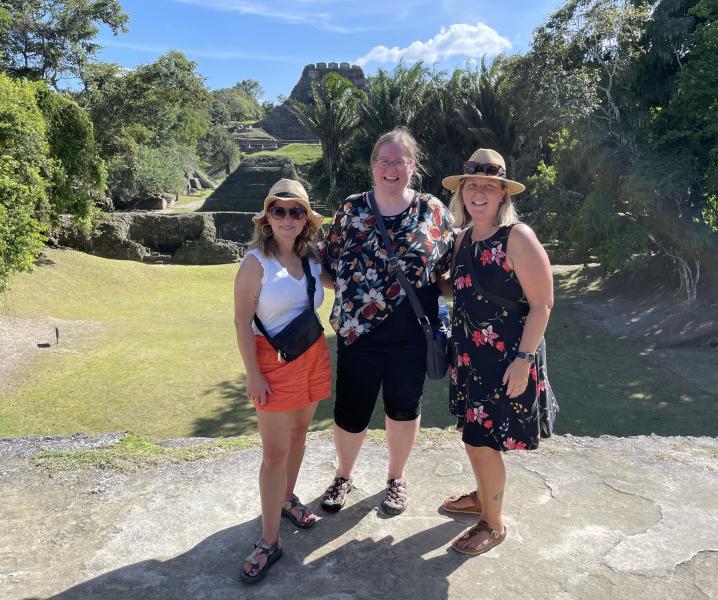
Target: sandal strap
[337,489]
[480,526]
[396,490]
[295,502]
[460,497]
[261,547]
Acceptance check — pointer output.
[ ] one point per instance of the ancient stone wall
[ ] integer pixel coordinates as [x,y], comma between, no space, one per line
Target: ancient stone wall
[302,91]
[195,238]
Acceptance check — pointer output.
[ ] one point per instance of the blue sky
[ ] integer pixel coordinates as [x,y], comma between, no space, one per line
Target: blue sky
[272,40]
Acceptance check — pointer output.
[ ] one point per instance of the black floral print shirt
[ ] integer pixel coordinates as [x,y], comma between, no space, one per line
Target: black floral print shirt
[354,255]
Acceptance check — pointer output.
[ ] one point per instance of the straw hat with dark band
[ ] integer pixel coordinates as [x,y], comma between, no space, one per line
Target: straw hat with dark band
[485,164]
[289,189]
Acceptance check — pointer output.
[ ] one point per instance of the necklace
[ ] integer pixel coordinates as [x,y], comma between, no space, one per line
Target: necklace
[294,268]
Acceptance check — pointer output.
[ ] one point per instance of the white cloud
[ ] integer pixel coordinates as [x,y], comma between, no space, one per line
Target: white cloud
[460,39]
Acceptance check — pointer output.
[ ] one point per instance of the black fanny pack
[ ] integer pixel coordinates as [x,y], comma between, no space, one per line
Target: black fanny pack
[302,331]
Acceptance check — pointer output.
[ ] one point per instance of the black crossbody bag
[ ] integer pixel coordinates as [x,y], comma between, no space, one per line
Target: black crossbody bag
[548,405]
[437,360]
[302,331]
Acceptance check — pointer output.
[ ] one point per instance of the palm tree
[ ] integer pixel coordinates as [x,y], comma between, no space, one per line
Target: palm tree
[332,117]
[394,99]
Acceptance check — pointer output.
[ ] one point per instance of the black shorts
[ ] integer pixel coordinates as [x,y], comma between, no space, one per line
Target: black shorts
[391,357]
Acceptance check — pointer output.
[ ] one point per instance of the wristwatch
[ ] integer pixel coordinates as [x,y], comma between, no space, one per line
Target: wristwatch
[529,357]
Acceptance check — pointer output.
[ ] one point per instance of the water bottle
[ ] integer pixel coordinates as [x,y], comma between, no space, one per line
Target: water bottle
[444,320]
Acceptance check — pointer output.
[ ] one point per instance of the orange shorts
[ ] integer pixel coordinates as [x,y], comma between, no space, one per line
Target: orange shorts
[295,384]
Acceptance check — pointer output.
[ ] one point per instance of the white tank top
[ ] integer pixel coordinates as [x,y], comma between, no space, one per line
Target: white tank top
[283,297]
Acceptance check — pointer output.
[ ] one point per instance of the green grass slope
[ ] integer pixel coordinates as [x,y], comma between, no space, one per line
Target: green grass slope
[166,364]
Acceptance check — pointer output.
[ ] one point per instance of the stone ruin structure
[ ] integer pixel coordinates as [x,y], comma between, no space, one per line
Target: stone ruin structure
[281,122]
[246,187]
[187,239]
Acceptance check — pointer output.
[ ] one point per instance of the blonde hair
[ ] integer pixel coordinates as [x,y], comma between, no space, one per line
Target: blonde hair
[507,211]
[401,135]
[304,245]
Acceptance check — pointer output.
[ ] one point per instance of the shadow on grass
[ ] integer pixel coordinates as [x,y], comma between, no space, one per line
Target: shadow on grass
[235,417]
[237,414]
[607,384]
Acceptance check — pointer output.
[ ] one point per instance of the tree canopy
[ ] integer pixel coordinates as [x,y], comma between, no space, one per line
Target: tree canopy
[54,39]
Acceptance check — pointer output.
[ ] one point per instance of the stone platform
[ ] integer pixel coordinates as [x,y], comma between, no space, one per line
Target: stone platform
[588,518]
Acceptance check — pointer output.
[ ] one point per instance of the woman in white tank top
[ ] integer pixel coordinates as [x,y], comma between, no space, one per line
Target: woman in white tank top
[271,283]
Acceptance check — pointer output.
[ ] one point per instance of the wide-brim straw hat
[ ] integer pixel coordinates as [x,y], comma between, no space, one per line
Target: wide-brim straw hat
[484,164]
[289,189]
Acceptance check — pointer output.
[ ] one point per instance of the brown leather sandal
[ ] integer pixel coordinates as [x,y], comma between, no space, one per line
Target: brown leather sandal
[474,508]
[495,539]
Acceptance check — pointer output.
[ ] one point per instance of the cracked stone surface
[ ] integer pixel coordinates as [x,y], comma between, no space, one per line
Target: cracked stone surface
[587,518]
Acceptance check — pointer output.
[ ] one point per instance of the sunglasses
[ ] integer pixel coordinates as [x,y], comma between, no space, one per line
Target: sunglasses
[279,212]
[470,168]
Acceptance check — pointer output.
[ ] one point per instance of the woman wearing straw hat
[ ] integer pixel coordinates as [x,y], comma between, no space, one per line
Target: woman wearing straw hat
[380,343]
[503,295]
[273,287]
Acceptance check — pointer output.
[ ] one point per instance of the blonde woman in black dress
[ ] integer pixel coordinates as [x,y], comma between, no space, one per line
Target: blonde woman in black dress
[494,380]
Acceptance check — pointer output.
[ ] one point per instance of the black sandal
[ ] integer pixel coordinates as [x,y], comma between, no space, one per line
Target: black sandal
[306,518]
[273,552]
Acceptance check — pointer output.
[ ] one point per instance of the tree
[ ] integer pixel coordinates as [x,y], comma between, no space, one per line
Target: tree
[332,117]
[53,39]
[615,156]
[394,99]
[218,150]
[79,176]
[238,104]
[252,88]
[143,171]
[23,186]
[161,103]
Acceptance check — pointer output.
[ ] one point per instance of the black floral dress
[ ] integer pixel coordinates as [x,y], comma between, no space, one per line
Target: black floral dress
[486,338]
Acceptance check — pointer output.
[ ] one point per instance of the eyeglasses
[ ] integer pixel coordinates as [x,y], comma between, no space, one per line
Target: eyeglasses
[402,163]
[470,168]
[279,212]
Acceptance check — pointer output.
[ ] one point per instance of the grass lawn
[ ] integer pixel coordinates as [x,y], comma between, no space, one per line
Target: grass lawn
[166,365]
[301,154]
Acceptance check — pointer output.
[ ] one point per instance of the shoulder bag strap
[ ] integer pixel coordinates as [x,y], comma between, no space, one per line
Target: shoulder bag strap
[311,282]
[394,267]
[498,300]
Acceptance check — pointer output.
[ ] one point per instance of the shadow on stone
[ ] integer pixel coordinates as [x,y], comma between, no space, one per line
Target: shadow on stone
[336,559]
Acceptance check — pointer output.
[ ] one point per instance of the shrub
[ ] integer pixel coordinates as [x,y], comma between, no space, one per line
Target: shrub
[144,171]
[24,166]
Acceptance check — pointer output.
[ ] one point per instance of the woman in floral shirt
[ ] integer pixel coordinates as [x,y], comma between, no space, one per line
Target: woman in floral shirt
[503,294]
[379,340]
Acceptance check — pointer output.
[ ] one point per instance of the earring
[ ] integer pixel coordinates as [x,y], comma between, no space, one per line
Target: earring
[264,231]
